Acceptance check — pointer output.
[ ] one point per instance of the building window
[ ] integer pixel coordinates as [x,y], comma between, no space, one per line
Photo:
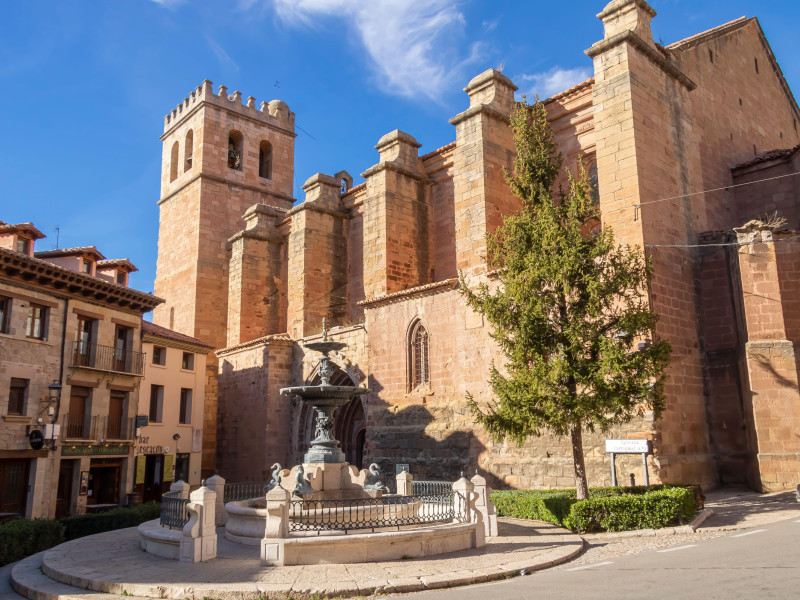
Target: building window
[17,394]
[23,245]
[593,182]
[156,403]
[159,355]
[187,362]
[36,326]
[188,150]
[5,314]
[235,143]
[123,356]
[185,416]
[122,278]
[86,266]
[84,340]
[173,163]
[420,369]
[265,160]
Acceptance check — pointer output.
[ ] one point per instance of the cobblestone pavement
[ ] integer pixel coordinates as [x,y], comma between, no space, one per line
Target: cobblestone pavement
[733,509]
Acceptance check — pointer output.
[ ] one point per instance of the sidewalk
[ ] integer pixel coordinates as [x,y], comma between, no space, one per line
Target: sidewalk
[734,508]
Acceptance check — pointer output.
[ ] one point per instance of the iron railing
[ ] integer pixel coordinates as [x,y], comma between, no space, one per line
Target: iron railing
[98,428]
[174,511]
[244,491]
[374,513]
[106,358]
[431,487]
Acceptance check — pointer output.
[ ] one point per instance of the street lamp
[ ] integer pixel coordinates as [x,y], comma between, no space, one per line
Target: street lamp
[54,393]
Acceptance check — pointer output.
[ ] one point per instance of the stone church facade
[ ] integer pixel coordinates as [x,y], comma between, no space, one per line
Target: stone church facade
[243,267]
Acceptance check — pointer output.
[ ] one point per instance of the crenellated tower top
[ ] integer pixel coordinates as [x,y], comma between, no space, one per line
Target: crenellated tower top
[274,112]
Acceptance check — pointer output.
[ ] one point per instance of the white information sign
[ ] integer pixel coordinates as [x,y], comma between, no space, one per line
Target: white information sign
[628,446]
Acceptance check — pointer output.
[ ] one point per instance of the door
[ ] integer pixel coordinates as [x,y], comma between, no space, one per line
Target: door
[115,413]
[154,465]
[13,486]
[122,339]
[76,418]
[64,495]
[104,485]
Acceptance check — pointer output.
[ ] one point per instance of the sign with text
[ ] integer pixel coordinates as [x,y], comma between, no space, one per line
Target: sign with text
[142,420]
[628,446]
[168,460]
[141,462]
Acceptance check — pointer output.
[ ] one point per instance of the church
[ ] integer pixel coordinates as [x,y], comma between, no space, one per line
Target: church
[690,145]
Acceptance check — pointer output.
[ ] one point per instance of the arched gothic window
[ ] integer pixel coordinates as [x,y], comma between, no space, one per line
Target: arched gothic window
[265,160]
[173,163]
[235,143]
[420,362]
[188,150]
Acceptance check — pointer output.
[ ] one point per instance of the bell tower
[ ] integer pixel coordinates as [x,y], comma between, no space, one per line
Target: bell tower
[220,157]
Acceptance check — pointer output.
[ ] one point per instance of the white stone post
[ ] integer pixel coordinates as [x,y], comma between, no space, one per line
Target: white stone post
[484,506]
[217,485]
[405,483]
[277,528]
[464,500]
[199,542]
[182,487]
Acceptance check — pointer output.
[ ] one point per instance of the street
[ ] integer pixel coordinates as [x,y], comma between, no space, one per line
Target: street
[763,562]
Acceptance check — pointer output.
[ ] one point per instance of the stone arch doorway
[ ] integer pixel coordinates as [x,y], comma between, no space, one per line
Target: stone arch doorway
[351,421]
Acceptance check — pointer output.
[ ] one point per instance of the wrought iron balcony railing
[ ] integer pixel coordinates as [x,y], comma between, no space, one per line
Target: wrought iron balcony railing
[106,358]
[98,428]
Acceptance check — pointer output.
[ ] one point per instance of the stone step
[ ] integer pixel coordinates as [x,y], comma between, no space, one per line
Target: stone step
[29,582]
[6,593]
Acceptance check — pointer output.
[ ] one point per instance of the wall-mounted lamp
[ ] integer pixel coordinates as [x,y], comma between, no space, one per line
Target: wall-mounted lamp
[176,437]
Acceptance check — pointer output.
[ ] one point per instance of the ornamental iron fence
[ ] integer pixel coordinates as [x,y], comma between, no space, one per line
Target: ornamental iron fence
[244,491]
[431,487]
[174,510]
[106,358]
[374,513]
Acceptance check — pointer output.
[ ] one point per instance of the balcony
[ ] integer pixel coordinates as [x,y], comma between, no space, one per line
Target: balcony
[98,428]
[106,358]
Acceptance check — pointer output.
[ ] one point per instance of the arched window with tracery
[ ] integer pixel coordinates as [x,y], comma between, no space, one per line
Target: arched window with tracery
[419,356]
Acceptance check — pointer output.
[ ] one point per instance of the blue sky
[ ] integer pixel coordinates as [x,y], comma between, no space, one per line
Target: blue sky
[86,85]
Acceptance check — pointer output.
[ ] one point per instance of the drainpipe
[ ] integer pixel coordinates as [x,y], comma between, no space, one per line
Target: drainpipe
[63,347]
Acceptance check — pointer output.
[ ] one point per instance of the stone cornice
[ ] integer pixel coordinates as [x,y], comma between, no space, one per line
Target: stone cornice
[165,341]
[476,110]
[250,235]
[278,339]
[387,166]
[219,179]
[38,273]
[446,285]
[654,55]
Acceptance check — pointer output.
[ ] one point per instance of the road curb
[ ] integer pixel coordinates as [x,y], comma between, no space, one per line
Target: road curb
[666,531]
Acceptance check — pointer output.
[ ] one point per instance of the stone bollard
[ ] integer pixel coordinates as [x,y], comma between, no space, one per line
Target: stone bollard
[277,527]
[466,511]
[217,485]
[182,487]
[405,483]
[199,541]
[484,505]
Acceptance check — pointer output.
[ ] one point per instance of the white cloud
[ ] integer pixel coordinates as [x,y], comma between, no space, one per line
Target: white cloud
[415,47]
[549,83]
[171,4]
[221,55]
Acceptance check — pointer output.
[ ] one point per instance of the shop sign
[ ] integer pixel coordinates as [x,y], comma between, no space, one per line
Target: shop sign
[140,469]
[143,446]
[94,450]
[142,420]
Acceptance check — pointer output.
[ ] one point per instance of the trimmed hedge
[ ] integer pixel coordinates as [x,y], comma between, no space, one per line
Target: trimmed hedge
[653,510]
[607,509]
[21,538]
[118,518]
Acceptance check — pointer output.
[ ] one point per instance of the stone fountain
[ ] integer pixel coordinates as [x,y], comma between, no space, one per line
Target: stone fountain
[325,399]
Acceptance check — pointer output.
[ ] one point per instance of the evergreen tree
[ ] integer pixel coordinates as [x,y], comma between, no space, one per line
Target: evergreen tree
[571,309]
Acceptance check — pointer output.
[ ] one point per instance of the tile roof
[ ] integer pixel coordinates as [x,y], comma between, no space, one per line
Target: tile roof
[709,33]
[13,228]
[117,262]
[70,252]
[163,332]
[768,156]
[275,337]
[441,150]
[575,88]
